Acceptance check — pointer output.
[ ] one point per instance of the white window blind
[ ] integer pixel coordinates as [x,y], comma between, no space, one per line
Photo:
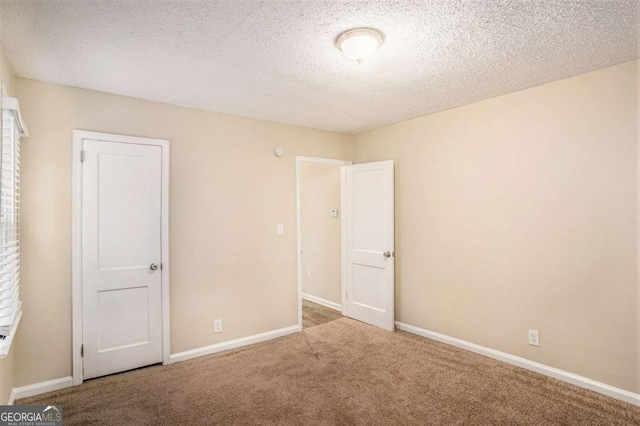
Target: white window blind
[12,129]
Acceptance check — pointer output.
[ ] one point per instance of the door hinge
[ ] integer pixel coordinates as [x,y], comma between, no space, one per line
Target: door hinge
[82,350]
[82,156]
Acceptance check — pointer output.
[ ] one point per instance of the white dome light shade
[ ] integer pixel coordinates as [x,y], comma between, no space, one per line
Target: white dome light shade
[360,43]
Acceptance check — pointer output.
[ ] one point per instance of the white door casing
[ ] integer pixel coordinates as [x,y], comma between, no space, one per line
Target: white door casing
[120,266]
[370,243]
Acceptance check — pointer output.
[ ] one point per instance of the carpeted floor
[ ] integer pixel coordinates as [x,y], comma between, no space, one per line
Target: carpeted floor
[340,373]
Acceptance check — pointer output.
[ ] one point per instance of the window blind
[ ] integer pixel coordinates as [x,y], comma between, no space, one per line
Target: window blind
[10,305]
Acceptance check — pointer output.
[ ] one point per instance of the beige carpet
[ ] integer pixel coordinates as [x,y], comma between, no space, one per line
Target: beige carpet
[339,373]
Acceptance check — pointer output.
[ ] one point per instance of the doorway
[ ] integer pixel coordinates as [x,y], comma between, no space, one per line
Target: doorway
[120,254]
[364,255]
[320,232]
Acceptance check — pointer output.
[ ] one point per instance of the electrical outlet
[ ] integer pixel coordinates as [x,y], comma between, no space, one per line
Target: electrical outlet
[217,326]
[534,337]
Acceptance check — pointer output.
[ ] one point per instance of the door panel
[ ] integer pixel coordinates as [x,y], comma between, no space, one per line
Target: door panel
[123,318]
[368,209]
[121,238]
[372,295]
[370,243]
[115,173]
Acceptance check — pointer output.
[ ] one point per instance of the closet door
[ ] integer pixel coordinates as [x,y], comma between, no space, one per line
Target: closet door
[121,255]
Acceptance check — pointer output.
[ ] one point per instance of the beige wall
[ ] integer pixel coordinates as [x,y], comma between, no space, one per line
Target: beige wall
[319,193]
[227,193]
[521,212]
[7,364]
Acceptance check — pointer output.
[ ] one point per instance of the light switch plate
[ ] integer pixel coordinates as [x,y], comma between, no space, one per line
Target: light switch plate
[280,229]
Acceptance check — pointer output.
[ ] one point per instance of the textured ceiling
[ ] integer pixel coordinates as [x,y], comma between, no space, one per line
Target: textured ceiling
[276,60]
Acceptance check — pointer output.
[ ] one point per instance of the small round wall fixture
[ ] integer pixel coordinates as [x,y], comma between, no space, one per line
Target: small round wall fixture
[278,152]
[359,43]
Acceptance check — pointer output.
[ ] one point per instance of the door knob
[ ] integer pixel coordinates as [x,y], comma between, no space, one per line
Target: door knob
[387,254]
[153,267]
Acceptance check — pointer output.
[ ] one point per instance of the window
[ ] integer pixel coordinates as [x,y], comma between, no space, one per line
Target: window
[10,306]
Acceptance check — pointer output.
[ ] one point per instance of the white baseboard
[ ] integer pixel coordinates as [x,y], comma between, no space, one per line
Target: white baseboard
[65,382]
[323,302]
[565,376]
[232,344]
[42,387]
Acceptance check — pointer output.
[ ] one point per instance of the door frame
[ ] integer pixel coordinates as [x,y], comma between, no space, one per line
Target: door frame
[76,245]
[326,162]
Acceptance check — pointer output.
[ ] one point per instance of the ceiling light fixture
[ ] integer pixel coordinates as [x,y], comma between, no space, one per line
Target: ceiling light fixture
[359,43]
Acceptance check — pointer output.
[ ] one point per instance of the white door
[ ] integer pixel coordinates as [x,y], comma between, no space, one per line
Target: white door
[121,253]
[369,196]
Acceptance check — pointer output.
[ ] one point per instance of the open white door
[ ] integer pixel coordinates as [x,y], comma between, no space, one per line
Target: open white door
[121,256]
[369,198]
